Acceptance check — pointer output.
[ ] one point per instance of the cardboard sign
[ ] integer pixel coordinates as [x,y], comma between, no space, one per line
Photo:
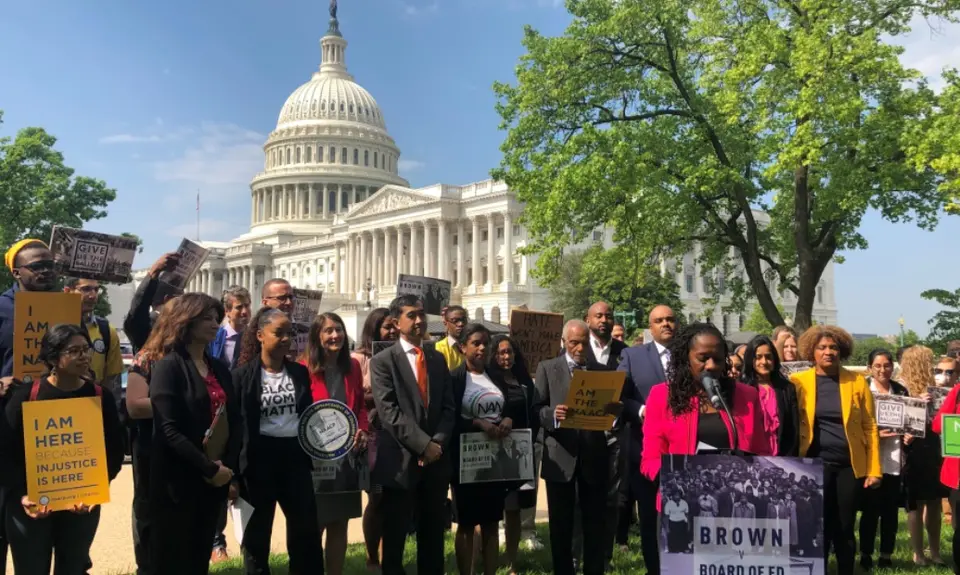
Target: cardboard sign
[950,435]
[65,454]
[306,305]
[901,414]
[173,283]
[590,392]
[34,313]
[538,334]
[433,292]
[92,255]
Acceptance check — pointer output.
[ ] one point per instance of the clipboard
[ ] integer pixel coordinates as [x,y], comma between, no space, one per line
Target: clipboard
[215,439]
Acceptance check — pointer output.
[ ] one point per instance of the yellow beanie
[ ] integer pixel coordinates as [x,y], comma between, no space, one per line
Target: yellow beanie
[11,254]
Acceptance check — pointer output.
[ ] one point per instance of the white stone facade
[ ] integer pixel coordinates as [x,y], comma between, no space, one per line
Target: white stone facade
[330,212]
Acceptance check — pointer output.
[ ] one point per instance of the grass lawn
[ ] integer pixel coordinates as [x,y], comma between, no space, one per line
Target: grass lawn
[538,562]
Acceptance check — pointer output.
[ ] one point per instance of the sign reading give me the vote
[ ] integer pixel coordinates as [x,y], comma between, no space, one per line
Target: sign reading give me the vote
[66,459]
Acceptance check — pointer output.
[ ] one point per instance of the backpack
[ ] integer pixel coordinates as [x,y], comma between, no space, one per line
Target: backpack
[104,327]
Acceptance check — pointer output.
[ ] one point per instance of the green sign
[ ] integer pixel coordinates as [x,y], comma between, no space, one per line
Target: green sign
[950,435]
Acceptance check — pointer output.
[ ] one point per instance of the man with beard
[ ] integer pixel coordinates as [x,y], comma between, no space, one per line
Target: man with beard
[603,348]
[454,318]
[646,366]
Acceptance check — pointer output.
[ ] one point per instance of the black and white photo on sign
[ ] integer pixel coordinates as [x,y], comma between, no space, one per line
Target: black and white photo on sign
[192,255]
[764,514]
[789,368]
[92,255]
[306,305]
[345,475]
[937,396]
[901,414]
[433,292]
[508,459]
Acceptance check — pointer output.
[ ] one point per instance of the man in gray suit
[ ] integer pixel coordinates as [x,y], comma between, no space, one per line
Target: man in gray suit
[575,462]
[414,400]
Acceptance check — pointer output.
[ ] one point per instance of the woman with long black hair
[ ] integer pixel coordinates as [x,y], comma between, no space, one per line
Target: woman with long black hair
[378,327]
[508,364]
[36,535]
[274,469]
[778,397]
[336,375]
[190,393]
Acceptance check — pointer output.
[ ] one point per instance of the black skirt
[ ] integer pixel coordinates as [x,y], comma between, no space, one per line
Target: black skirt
[921,474]
[478,503]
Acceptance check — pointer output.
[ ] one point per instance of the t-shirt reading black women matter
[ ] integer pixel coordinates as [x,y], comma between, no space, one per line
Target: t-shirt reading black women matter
[278,405]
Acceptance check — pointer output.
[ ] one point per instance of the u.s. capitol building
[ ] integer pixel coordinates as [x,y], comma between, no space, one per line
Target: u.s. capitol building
[331,212]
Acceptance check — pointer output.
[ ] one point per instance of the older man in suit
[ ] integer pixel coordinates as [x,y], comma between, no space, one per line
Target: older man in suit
[414,400]
[574,462]
[646,366]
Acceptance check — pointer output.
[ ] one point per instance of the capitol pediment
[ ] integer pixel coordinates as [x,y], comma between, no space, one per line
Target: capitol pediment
[389,199]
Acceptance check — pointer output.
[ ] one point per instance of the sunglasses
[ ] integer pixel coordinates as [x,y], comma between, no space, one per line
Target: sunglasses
[39,266]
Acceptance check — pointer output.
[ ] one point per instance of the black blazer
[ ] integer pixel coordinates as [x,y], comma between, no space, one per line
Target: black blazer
[788,409]
[565,448]
[181,417]
[248,381]
[405,426]
[616,349]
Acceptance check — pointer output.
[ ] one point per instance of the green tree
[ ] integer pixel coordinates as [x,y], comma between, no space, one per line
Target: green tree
[945,324]
[762,131]
[863,347]
[757,321]
[103,307]
[38,191]
[616,276]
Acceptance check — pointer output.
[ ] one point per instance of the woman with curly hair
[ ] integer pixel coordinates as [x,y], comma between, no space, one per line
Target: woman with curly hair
[189,391]
[274,469]
[679,415]
[923,460]
[778,397]
[837,424]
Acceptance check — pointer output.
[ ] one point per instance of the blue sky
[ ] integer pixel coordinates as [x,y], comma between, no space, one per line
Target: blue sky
[162,99]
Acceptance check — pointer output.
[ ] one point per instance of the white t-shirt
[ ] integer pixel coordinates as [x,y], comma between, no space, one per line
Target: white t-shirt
[481,399]
[278,405]
[891,448]
[676,511]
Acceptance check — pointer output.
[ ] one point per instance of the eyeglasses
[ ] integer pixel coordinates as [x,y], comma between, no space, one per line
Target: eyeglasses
[77,351]
[938,371]
[89,289]
[39,266]
[285,297]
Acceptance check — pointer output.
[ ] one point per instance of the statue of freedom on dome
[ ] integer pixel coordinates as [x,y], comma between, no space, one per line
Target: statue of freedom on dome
[333,9]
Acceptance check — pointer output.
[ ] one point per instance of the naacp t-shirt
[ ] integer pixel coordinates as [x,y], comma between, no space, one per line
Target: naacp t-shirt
[278,405]
[481,399]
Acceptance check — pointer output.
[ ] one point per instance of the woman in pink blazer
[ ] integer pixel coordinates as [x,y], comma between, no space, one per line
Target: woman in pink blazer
[679,416]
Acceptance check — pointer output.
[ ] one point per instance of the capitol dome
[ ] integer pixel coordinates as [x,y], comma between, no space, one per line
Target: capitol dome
[329,152]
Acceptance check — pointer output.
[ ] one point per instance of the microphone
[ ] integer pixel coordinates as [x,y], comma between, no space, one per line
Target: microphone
[712,387]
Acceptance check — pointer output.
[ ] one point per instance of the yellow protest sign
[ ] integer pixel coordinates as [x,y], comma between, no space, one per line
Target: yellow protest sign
[590,392]
[65,453]
[33,314]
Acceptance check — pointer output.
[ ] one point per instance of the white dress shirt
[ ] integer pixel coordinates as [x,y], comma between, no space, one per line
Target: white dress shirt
[410,351]
[600,351]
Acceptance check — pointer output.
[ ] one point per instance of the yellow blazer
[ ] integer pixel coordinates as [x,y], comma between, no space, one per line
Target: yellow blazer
[451,354]
[860,425]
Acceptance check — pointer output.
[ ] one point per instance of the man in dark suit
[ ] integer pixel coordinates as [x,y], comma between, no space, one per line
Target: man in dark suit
[605,350]
[646,366]
[414,400]
[575,463]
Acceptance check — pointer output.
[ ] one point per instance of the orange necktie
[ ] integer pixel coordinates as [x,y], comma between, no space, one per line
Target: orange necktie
[422,376]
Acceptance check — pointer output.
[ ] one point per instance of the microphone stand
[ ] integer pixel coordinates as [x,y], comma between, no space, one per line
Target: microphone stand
[735,447]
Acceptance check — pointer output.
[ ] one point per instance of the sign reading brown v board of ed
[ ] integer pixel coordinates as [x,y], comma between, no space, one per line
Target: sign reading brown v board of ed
[538,334]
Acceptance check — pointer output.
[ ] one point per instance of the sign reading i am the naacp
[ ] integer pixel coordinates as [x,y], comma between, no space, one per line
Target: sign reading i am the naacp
[590,392]
[33,314]
[92,255]
[433,292]
[741,515]
[538,335]
[65,456]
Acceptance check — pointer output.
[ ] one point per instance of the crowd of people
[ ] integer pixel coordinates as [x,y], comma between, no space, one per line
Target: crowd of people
[205,365]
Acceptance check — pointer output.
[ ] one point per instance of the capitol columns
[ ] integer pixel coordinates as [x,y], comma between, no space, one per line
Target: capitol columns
[428,261]
[507,248]
[475,244]
[491,250]
[412,250]
[312,206]
[363,259]
[348,272]
[336,267]
[461,255]
[388,252]
[443,266]
[377,258]
[398,257]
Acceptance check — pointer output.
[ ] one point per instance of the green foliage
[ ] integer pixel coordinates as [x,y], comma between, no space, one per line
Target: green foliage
[761,131]
[134,237]
[37,191]
[936,142]
[103,307]
[862,349]
[616,276]
[945,324]
[757,321]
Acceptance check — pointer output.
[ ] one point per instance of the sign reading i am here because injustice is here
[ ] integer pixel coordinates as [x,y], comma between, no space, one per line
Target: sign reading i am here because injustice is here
[66,458]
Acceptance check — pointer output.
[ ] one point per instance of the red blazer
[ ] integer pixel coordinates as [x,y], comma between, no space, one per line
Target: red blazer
[665,434]
[353,384]
[950,470]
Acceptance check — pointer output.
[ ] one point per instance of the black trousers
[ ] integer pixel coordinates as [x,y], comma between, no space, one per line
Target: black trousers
[63,537]
[3,530]
[219,539]
[841,500]
[649,531]
[140,520]
[880,506]
[180,528]
[425,502]
[562,497]
[282,477]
